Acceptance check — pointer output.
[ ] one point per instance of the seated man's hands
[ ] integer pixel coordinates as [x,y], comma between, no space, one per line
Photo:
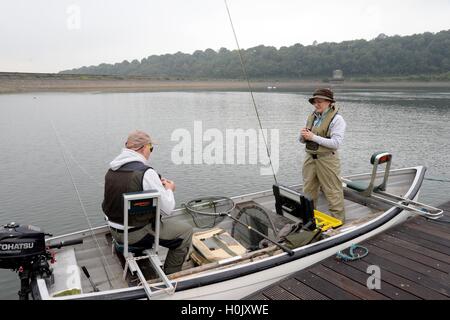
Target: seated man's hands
[168,184]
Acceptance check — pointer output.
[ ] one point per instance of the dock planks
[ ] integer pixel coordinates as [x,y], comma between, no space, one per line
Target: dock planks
[414,259]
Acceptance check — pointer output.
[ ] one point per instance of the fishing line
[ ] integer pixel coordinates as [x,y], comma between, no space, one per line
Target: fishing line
[250,89]
[82,169]
[103,259]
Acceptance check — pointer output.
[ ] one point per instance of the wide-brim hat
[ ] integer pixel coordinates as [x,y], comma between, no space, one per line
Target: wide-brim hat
[323,93]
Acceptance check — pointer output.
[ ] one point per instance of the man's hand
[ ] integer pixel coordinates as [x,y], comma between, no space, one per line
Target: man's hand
[307,134]
[168,184]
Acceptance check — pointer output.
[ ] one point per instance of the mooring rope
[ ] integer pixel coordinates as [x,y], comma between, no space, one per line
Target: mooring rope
[352,256]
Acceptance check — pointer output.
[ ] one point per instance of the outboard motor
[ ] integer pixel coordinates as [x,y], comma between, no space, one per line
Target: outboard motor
[23,250]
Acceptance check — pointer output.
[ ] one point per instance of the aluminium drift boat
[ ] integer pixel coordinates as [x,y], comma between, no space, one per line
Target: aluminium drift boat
[107,275]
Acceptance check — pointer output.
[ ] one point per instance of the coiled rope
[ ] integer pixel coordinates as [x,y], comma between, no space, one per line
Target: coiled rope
[352,255]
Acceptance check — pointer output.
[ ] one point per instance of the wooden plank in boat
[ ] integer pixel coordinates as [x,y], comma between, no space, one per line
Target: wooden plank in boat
[301,290]
[199,259]
[216,245]
[347,284]
[323,286]
[360,276]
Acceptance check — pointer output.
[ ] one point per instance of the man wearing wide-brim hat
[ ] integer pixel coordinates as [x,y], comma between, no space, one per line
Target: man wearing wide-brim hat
[323,135]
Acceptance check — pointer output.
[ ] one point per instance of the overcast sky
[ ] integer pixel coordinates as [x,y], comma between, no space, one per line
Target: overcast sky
[53,35]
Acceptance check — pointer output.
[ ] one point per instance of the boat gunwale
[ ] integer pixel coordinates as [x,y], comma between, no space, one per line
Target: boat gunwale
[179,211]
[217,276]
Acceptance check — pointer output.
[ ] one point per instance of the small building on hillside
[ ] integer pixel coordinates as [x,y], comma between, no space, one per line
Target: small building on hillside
[338,75]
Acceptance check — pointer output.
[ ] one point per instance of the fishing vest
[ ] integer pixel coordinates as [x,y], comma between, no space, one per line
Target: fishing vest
[128,178]
[323,130]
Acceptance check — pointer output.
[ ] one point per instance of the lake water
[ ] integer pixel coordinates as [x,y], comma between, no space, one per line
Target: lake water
[39,131]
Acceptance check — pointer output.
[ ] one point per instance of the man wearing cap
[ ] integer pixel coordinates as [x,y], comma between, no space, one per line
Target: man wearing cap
[323,135]
[130,172]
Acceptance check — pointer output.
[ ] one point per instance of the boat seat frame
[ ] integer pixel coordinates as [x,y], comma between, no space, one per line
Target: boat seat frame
[294,205]
[367,189]
[151,199]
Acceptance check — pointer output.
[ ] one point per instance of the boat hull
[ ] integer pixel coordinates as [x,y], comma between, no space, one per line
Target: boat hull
[239,281]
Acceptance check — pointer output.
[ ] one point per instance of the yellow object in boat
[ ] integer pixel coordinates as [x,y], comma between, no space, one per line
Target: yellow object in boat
[325,221]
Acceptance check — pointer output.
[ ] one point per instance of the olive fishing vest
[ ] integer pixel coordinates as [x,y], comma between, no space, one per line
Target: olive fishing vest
[128,178]
[323,130]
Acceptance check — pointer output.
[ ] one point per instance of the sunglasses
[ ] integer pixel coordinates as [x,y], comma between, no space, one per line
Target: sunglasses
[148,144]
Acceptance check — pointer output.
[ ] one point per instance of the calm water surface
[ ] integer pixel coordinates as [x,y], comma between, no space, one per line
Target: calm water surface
[39,131]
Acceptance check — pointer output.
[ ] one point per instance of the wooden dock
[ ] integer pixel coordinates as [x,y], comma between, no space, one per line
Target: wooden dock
[414,259]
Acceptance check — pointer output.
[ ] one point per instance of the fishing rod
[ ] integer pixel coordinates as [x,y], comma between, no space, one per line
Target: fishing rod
[194,206]
[281,246]
[244,70]
[103,258]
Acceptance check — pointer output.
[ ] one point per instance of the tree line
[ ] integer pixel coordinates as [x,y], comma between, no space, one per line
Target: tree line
[419,54]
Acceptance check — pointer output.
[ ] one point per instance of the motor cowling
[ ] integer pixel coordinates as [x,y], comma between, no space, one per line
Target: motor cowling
[20,245]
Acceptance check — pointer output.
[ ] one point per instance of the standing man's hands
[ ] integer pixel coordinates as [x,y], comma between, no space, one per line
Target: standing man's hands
[307,134]
[168,184]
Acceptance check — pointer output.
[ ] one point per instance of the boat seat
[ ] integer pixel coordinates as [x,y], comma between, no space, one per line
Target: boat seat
[366,188]
[137,251]
[358,185]
[143,206]
[293,203]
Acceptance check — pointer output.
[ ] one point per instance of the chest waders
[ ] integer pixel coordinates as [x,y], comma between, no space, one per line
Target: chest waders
[321,169]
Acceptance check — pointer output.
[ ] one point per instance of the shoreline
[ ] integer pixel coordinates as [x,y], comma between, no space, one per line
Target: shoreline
[28,83]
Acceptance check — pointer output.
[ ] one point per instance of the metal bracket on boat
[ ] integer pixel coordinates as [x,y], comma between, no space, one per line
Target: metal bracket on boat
[143,203]
[422,209]
[370,190]
[132,264]
[366,189]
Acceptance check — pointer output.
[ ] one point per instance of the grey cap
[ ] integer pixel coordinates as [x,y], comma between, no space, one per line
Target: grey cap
[137,139]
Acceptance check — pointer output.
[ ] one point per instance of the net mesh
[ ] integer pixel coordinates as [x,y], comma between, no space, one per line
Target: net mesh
[209,211]
[257,218]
